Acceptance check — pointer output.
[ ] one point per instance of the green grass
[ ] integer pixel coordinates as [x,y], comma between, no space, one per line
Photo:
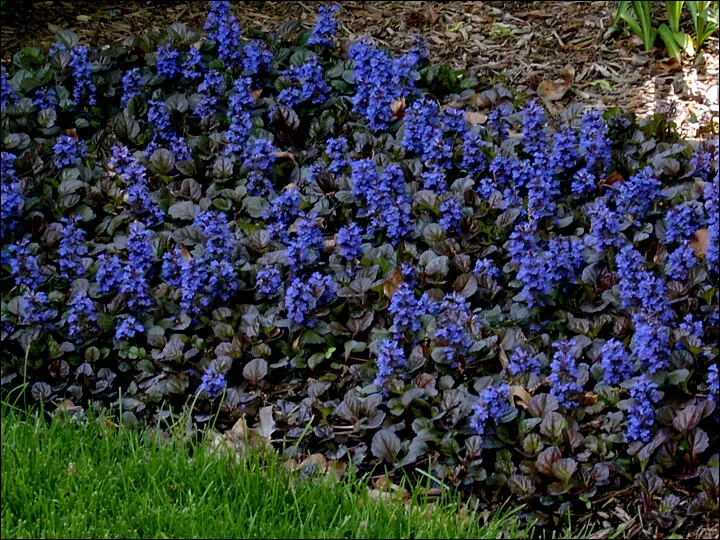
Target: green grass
[79,480]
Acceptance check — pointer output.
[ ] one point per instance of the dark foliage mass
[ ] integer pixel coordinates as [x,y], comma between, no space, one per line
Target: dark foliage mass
[402,269]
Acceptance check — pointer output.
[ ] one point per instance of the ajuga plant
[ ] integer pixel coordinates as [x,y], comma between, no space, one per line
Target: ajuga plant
[270,224]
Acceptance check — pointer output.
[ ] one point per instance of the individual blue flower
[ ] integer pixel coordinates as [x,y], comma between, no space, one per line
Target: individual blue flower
[307,83]
[712,382]
[82,317]
[491,406]
[23,264]
[692,327]
[523,361]
[222,27]
[532,271]
[680,261]
[473,160]
[637,194]
[36,308]
[45,98]
[68,151]
[193,67]
[650,343]
[349,241]
[269,282]
[564,374]
[212,383]
[486,267]
[132,83]
[84,88]
[641,414]
[450,215]
[166,61]
[325,26]
[257,57]
[72,249]
[128,328]
[390,360]
[615,362]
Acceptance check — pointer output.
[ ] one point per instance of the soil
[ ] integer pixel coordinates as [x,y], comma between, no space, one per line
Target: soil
[518,43]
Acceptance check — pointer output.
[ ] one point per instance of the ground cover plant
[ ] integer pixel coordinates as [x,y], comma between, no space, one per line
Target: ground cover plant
[91,480]
[366,257]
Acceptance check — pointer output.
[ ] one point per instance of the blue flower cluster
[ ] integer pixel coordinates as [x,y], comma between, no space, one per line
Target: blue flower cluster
[212,383]
[336,149]
[167,58]
[650,343]
[260,156]
[222,27]
[306,245]
[492,405]
[82,317]
[391,360]
[486,267]
[211,88]
[133,176]
[454,316]
[132,83]
[305,295]
[72,249]
[128,328]
[7,92]
[381,79]
[36,307]
[349,241]
[638,286]
[595,148]
[406,311]
[257,57]
[641,414]
[564,374]
[23,264]
[307,84]
[284,210]
[523,361]
[45,98]
[68,151]
[269,281]
[615,362]
[240,104]
[13,197]
[713,384]
[638,194]
[193,67]
[84,89]
[325,26]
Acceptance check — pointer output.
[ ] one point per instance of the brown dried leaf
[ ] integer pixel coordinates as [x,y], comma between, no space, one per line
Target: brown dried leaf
[555,90]
[670,65]
[523,396]
[398,107]
[72,132]
[255,94]
[503,358]
[475,118]
[614,178]
[700,242]
[392,284]
[285,155]
[432,16]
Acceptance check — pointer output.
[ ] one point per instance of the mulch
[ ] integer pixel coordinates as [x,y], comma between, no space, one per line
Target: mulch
[520,44]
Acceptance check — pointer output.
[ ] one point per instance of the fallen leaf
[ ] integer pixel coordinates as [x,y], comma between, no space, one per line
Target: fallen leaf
[475,118]
[521,394]
[670,65]
[503,358]
[392,284]
[555,90]
[589,399]
[614,178]
[72,132]
[700,241]
[255,94]
[432,16]
[398,107]
[285,155]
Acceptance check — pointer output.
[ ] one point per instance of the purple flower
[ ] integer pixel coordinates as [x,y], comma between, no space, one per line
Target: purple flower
[325,26]
[534,138]
[240,104]
[595,145]
[257,57]
[84,88]
[285,208]
[307,245]
[259,160]
[193,67]
[637,195]
[36,308]
[7,92]
[681,261]
[391,358]
[166,61]
[222,27]
[23,264]
[452,319]
[45,98]
[109,273]
[349,241]
[269,282]
[336,149]
[641,414]
[434,180]
[604,225]
[303,296]
[128,328]
[212,383]
[306,84]
[491,406]
[212,87]
[615,362]
[711,194]
[682,221]
[564,155]
[650,343]
[82,318]
[72,249]
[406,311]
[639,287]
[450,215]
[487,267]
[522,361]
[132,83]
[564,374]
[68,151]
[13,198]
[712,382]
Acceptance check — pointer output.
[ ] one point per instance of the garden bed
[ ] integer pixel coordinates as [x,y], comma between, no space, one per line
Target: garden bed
[362,258]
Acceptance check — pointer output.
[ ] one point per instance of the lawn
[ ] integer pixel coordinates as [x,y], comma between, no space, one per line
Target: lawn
[89,479]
